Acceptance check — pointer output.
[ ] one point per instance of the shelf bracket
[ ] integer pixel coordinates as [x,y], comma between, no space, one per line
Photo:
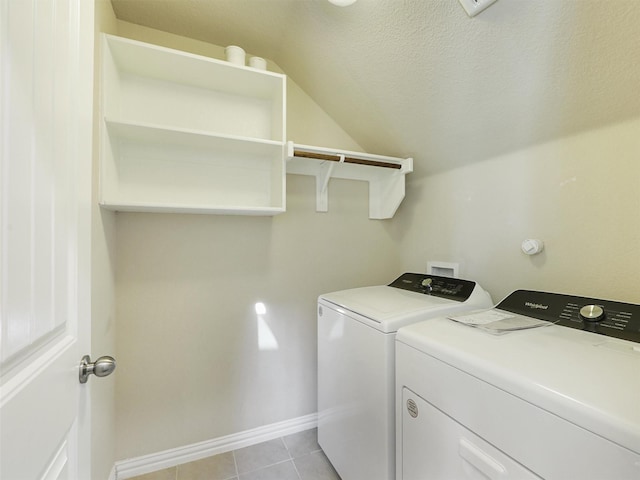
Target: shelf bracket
[322,186]
[322,183]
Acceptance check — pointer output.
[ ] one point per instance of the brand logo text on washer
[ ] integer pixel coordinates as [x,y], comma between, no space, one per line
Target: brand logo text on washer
[536,305]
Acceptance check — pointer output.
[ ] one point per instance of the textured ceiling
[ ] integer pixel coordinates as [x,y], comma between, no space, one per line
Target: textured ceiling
[420,78]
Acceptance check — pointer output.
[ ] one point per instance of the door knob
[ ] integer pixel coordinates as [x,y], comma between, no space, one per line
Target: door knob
[102,367]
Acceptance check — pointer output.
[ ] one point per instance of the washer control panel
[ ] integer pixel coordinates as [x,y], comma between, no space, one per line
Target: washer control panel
[446,287]
[605,317]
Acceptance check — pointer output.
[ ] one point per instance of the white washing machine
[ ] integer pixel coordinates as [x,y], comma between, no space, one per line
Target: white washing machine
[560,401]
[356,368]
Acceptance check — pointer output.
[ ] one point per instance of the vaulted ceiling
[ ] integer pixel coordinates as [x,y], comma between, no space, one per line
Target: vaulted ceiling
[420,78]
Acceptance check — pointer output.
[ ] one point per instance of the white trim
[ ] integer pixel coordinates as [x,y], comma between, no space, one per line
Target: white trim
[33,366]
[170,458]
[112,474]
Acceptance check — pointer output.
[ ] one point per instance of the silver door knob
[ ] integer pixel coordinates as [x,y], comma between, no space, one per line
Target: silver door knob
[102,367]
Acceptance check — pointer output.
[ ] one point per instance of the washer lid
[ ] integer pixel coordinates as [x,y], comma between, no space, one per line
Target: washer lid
[383,303]
[411,297]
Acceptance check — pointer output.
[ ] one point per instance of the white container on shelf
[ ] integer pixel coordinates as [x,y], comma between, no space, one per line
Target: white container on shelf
[258,62]
[235,55]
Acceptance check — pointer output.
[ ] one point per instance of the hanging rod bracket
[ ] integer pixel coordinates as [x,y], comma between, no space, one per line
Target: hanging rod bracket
[322,186]
[385,175]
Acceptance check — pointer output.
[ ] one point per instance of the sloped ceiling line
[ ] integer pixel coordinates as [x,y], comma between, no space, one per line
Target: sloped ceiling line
[419,78]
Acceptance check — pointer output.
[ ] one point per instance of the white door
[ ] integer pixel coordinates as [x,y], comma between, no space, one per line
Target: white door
[46,84]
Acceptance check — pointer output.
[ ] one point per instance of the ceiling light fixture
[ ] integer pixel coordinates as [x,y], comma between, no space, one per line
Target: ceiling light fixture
[342,3]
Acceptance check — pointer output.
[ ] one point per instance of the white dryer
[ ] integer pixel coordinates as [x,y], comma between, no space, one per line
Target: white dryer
[356,367]
[560,401]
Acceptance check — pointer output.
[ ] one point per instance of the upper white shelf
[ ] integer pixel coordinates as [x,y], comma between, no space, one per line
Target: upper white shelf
[187,133]
[183,68]
[386,175]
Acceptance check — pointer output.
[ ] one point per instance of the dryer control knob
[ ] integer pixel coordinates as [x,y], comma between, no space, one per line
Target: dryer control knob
[592,313]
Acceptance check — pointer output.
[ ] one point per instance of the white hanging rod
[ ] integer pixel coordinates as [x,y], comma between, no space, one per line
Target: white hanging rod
[318,153]
[338,158]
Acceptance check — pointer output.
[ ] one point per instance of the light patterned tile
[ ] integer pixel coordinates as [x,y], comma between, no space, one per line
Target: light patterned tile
[280,471]
[315,466]
[260,455]
[302,443]
[272,460]
[217,467]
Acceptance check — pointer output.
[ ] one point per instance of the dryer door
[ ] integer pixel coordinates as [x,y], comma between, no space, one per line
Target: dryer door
[435,446]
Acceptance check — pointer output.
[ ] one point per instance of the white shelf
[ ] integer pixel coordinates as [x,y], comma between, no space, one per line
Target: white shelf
[185,133]
[386,175]
[161,135]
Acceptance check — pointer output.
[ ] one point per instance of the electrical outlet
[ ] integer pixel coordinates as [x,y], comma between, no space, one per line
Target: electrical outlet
[474,7]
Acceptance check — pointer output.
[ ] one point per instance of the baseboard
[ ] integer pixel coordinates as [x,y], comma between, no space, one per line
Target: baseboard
[170,458]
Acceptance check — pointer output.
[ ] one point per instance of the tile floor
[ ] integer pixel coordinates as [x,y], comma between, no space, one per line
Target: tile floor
[294,457]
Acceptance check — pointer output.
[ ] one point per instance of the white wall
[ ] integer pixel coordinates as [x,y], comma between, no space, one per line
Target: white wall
[579,194]
[192,362]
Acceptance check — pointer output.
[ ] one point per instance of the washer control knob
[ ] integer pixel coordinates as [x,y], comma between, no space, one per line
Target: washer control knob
[426,284]
[592,313]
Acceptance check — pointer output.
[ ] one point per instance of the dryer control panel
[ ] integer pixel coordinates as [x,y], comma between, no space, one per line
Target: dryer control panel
[604,317]
[445,287]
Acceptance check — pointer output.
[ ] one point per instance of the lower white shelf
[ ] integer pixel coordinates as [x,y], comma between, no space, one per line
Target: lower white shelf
[153,169]
[197,209]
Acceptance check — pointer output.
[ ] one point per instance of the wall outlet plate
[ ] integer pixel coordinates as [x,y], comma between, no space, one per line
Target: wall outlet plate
[474,7]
